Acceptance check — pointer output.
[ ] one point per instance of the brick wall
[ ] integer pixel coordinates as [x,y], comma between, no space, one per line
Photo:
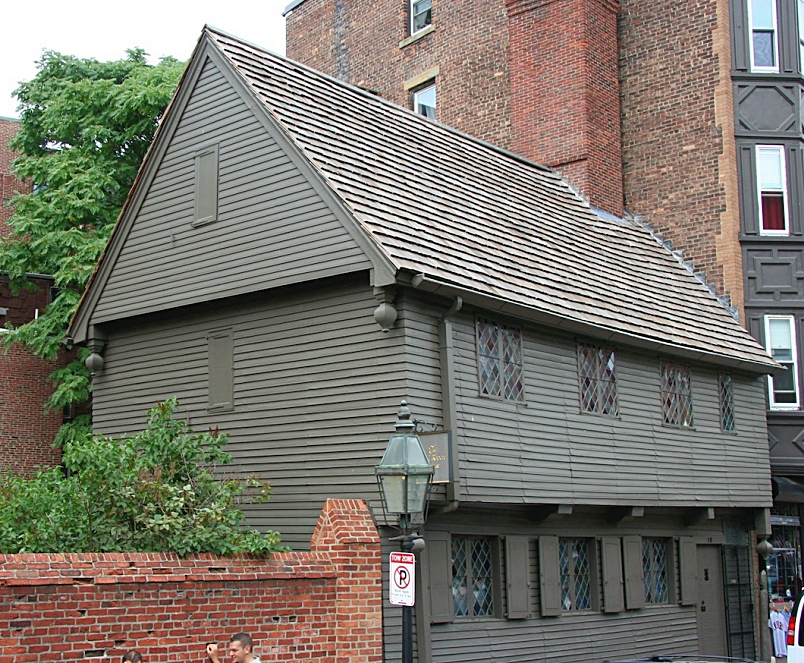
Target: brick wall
[505,73]
[677,119]
[27,430]
[323,605]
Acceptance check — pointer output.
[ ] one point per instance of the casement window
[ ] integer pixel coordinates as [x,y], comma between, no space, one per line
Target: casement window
[424,101]
[772,190]
[206,186]
[780,341]
[464,572]
[499,356]
[726,388]
[764,35]
[421,15]
[654,570]
[598,379]
[575,572]
[676,392]
[472,576]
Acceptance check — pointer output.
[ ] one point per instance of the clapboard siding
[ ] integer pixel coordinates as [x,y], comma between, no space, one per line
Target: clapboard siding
[546,450]
[272,228]
[316,387]
[591,636]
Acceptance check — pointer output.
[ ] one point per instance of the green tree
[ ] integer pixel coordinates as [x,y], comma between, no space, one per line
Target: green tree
[85,128]
[160,490]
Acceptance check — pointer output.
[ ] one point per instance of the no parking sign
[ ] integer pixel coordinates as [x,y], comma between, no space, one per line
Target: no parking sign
[403,576]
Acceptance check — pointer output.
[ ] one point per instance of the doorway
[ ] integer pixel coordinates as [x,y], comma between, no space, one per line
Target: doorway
[711,611]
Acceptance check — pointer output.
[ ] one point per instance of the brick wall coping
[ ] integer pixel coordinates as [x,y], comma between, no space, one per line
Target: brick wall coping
[120,568]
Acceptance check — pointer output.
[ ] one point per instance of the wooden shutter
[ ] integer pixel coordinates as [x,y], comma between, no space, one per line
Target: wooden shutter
[612,574]
[221,369]
[548,576]
[634,575]
[688,566]
[439,574]
[517,575]
[206,186]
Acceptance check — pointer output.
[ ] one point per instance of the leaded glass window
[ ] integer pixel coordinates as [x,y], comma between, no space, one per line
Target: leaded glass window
[654,570]
[499,355]
[726,403]
[676,389]
[598,380]
[472,576]
[575,574]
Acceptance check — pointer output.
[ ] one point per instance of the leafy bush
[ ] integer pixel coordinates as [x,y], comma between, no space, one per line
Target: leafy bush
[160,490]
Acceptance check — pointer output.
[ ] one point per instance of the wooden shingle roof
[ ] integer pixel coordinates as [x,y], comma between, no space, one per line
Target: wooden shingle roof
[460,212]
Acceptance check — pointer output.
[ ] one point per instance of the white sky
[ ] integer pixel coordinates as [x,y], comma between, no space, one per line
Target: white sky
[104,30]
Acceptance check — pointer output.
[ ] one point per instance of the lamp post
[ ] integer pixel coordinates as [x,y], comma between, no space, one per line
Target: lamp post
[404,476]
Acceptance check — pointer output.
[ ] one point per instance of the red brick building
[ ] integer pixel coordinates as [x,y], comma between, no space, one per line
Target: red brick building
[27,430]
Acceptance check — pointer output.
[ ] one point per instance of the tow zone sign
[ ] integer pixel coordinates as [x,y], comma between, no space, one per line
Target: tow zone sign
[402,569]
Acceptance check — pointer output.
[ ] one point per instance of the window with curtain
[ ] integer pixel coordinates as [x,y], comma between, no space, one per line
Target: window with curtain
[772,189]
[780,341]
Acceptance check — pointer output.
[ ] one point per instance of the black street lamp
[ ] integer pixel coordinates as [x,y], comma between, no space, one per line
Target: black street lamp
[404,476]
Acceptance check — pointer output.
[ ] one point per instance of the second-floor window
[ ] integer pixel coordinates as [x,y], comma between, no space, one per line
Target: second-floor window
[764,35]
[772,190]
[421,15]
[726,402]
[598,380]
[424,101]
[676,388]
[499,356]
[780,340]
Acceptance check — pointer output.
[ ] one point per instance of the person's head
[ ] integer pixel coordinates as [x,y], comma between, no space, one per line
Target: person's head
[132,656]
[240,646]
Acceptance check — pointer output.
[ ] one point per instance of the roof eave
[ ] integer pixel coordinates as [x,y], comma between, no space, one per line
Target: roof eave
[428,284]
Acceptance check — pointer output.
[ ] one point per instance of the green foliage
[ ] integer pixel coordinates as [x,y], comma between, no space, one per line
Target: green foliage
[158,490]
[85,128]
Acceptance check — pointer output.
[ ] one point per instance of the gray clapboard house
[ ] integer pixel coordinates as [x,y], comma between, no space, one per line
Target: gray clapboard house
[297,256]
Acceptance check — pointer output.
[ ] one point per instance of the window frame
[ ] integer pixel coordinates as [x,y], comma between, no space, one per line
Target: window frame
[591,547]
[501,373]
[416,95]
[682,376]
[772,404]
[598,378]
[648,575]
[774,30]
[800,27]
[207,184]
[494,578]
[780,150]
[725,383]
[412,14]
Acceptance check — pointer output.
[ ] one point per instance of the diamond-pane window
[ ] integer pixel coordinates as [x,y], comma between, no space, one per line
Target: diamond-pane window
[598,379]
[676,389]
[472,576]
[726,403]
[575,574]
[499,361]
[654,570]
